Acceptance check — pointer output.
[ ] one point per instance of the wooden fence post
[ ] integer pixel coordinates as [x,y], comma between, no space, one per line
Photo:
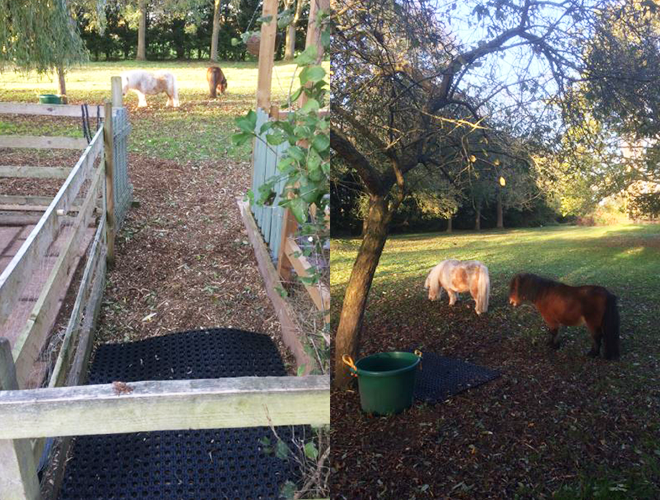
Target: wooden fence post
[108,142]
[266,54]
[18,472]
[117,95]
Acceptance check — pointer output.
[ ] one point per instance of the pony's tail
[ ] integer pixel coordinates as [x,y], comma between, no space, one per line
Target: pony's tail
[610,328]
[433,283]
[484,290]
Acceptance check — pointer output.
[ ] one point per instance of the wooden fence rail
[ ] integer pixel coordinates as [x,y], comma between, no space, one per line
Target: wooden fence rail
[165,405]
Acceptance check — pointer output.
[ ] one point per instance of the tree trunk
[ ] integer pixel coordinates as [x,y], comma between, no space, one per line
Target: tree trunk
[142,32]
[62,83]
[291,32]
[477,220]
[216,30]
[500,212]
[347,339]
[449,224]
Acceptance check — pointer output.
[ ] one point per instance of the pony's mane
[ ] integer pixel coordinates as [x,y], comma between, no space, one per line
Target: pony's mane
[532,287]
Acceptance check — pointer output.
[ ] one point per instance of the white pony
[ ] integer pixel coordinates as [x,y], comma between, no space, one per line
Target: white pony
[456,277]
[142,82]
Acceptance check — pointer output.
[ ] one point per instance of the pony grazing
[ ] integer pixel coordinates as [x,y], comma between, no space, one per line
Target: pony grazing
[561,304]
[216,80]
[142,82]
[456,277]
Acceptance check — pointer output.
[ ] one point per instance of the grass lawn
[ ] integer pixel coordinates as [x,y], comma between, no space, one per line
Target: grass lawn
[556,424]
[200,129]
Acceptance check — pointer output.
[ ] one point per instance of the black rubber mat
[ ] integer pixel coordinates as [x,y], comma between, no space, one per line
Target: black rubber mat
[200,465]
[442,377]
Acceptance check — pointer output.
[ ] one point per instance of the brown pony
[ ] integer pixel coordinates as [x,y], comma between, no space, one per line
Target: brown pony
[217,81]
[561,304]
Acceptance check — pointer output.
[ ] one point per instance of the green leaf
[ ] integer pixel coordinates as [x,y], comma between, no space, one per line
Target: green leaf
[321,143]
[241,138]
[299,209]
[288,491]
[314,165]
[275,139]
[296,95]
[311,74]
[264,441]
[311,191]
[297,153]
[308,56]
[247,123]
[281,450]
[235,42]
[311,106]
[281,292]
[265,19]
[285,165]
[301,370]
[311,451]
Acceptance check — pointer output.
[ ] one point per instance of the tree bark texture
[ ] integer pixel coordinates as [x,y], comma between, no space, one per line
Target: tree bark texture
[62,83]
[347,340]
[142,32]
[216,30]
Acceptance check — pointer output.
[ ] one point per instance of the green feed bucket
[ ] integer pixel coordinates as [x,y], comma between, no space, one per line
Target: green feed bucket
[50,99]
[386,381]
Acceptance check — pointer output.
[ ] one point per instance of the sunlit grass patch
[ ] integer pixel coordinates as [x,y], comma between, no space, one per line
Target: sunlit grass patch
[200,129]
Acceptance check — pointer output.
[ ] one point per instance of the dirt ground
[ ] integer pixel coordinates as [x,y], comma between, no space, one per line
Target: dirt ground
[183,258]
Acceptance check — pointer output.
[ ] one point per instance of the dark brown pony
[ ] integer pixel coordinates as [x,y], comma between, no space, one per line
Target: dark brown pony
[561,304]
[217,81]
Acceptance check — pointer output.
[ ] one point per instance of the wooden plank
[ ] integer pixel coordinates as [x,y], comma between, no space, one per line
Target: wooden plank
[165,405]
[17,274]
[34,334]
[116,90]
[26,200]
[10,218]
[108,144]
[266,54]
[18,474]
[41,142]
[20,171]
[65,356]
[290,330]
[72,110]
[319,294]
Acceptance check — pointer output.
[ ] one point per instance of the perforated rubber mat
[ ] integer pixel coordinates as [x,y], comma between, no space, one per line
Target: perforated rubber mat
[199,465]
[442,377]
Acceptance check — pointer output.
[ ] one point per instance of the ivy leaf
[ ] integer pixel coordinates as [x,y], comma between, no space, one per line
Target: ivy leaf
[311,451]
[248,122]
[288,491]
[281,450]
[308,56]
[311,106]
[285,165]
[311,74]
[241,138]
[321,143]
[299,209]
[275,139]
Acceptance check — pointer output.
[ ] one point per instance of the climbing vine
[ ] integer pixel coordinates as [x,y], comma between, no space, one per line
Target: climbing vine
[304,167]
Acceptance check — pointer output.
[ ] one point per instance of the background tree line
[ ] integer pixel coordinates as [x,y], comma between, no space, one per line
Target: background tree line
[180,29]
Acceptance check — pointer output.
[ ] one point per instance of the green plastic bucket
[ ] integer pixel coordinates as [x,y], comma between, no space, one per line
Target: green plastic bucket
[50,99]
[386,381]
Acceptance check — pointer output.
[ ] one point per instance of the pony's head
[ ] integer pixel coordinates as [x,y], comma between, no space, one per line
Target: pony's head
[124,84]
[514,297]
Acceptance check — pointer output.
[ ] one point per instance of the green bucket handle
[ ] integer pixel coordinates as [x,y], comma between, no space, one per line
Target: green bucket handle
[354,371]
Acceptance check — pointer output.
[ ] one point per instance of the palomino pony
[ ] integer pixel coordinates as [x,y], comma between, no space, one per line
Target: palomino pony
[142,82]
[456,277]
[561,304]
[216,80]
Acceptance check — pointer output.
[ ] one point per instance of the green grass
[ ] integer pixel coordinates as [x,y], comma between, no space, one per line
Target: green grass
[625,259]
[199,130]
